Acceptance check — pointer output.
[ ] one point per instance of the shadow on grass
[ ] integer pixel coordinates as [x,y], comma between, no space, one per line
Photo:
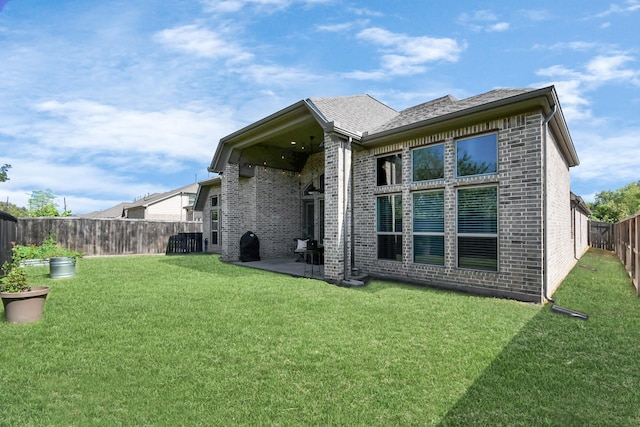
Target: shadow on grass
[208,264]
[564,371]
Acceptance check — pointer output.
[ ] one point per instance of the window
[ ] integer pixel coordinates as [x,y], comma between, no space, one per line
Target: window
[477,155]
[389,226]
[478,228]
[215,221]
[389,170]
[428,227]
[428,163]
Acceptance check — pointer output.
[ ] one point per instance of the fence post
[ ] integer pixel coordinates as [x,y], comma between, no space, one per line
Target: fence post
[636,258]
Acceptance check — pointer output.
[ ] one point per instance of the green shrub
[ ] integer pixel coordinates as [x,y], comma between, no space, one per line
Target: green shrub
[48,249]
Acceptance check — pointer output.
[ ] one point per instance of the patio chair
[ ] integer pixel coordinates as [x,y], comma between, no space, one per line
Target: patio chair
[300,249]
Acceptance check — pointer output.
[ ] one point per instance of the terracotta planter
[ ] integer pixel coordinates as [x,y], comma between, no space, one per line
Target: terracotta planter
[24,307]
[60,267]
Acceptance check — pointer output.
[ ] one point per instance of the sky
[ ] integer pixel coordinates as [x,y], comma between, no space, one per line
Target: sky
[104,102]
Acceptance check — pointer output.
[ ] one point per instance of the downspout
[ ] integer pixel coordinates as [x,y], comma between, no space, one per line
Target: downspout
[345,202]
[352,210]
[545,232]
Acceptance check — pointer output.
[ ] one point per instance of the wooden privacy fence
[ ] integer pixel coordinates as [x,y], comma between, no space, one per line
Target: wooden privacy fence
[105,236]
[8,234]
[601,235]
[627,234]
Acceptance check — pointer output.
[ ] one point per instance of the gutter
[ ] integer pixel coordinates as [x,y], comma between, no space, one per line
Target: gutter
[545,233]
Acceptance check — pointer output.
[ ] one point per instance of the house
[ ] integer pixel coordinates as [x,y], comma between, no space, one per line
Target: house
[174,205]
[471,194]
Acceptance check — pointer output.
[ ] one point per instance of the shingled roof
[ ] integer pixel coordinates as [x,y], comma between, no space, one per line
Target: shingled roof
[357,113]
[442,106]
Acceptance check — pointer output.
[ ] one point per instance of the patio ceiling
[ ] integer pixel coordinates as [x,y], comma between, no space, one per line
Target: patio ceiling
[278,150]
[269,142]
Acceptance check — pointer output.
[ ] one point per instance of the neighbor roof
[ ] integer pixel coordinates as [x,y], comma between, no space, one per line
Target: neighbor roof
[116,211]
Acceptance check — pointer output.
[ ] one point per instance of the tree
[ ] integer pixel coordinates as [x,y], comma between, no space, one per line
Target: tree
[42,203]
[14,210]
[3,172]
[613,206]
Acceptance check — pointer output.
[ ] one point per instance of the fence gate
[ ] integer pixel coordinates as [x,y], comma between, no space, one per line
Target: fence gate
[601,235]
[185,243]
[8,234]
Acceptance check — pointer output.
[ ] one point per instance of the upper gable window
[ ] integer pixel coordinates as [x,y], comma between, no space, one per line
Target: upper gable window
[389,170]
[427,163]
[477,155]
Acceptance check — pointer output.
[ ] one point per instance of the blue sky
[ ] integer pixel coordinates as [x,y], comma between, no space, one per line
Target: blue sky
[105,101]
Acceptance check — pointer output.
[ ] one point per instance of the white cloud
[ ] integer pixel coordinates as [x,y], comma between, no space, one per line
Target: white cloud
[499,27]
[483,20]
[600,158]
[574,84]
[202,42]
[232,6]
[131,137]
[342,27]
[406,55]
[577,46]
[627,7]
[536,14]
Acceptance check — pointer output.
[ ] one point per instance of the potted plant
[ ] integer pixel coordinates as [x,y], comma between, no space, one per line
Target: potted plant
[22,303]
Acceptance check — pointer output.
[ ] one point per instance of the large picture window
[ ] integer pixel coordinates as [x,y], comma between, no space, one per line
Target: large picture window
[477,155]
[428,227]
[427,163]
[389,226]
[478,228]
[389,170]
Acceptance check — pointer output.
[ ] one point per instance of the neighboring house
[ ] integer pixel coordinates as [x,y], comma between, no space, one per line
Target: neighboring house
[117,211]
[175,205]
[208,201]
[470,194]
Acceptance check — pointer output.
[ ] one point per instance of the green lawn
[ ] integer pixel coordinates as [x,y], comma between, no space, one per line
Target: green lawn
[188,340]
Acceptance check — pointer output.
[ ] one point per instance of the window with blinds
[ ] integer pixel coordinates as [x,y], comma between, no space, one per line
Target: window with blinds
[428,227]
[389,226]
[478,228]
[427,163]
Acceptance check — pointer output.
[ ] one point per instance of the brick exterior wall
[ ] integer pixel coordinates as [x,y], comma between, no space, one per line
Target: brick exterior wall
[560,245]
[268,204]
[520,211]
[337,250]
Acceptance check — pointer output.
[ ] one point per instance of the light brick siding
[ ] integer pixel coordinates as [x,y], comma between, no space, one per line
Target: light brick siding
[520,210]
[560,244]
[337,218]
[267,204]
[581,232]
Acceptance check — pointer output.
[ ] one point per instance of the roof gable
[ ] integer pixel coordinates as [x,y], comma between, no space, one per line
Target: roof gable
[356,114]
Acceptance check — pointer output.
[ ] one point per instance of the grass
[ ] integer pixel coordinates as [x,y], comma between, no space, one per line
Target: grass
[188,340]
